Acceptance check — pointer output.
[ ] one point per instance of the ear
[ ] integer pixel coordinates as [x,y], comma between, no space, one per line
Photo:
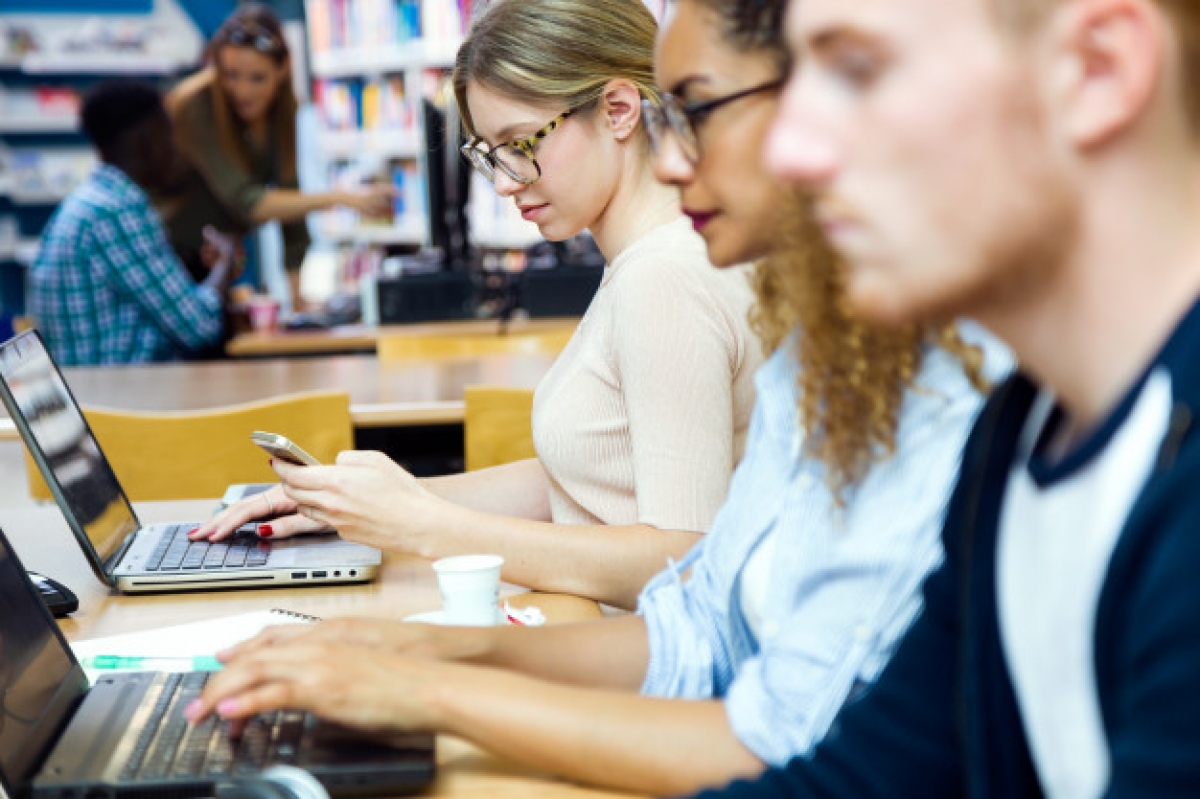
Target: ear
[1112,67]
[622,106]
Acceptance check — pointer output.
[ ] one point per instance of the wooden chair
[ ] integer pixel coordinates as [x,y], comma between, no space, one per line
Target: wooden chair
[496,426]
[196,454]
[396,347]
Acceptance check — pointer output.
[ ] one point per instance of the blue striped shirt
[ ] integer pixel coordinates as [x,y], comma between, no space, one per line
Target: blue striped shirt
[844,583]
[107,287]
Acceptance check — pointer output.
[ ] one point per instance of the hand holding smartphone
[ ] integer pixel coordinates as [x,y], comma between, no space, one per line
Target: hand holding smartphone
[283,448]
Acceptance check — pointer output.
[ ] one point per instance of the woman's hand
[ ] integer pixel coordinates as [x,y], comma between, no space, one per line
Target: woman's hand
[271,504]
[371,690]
[418,641]
[367,498]
[373,202]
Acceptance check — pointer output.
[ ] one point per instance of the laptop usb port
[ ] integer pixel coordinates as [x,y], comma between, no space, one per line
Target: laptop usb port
[320,574]
[298,575]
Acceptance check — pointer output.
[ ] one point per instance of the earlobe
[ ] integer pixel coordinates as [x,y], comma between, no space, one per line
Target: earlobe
[1115,50]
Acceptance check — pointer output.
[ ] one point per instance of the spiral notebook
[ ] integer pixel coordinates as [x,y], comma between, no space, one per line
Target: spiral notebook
[186,640]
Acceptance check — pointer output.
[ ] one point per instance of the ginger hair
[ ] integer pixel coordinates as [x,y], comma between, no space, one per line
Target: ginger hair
[853,377]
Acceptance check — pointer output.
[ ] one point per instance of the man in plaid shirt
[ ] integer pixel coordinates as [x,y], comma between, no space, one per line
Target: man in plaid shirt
[106,286]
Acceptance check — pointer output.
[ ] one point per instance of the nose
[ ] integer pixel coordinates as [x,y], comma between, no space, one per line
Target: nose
[671,166]
[506,186]
[796,149]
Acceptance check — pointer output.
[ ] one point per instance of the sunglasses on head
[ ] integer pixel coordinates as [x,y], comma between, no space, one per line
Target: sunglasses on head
[262,41]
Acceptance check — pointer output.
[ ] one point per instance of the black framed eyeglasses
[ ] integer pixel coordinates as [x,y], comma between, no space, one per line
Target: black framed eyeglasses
[684,120]
[515,158]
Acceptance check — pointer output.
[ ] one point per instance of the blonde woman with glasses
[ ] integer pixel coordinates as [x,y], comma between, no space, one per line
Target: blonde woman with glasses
[640,422]
[741,654]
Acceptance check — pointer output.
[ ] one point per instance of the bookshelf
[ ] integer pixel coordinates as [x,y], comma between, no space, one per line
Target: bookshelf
[49,55]
[373,62]
[369,60]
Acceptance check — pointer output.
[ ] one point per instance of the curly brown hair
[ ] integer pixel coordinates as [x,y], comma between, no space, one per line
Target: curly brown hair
[853,377]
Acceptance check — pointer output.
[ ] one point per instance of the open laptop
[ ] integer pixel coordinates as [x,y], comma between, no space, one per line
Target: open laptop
[126,737]
[122,552]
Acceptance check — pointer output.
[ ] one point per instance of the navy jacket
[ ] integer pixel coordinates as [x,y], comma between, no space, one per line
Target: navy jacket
[942,720]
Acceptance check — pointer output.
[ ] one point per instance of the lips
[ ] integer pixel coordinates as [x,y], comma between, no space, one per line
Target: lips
[700,219]
[530,213]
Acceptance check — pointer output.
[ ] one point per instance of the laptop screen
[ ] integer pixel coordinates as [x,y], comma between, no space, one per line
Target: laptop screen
[38,686]
[54,429]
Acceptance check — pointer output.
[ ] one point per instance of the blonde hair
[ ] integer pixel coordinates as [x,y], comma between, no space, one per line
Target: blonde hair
[853,377]
[556,51]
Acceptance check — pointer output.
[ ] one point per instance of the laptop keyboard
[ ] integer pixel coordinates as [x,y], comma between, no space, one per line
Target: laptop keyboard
[168,748]
[175,552]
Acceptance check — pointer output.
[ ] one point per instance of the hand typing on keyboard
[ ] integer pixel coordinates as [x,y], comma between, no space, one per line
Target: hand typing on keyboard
[273,508]
[176,552]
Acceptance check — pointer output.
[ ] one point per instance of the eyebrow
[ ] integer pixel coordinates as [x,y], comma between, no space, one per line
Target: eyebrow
[681,86]
[834,37]
[508,133]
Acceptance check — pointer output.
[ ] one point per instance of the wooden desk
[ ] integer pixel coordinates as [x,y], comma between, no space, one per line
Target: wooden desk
[407,586]
[359,338]
[382,394]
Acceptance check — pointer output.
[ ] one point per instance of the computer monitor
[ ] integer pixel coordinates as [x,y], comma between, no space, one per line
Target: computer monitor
[446,181]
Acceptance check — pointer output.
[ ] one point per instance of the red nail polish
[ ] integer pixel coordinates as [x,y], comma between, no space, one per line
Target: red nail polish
[265,531]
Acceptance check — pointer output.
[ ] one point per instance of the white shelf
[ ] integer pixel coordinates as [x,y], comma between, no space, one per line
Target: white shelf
[36,197]
[415,54]
[29,123]
[99,63]
[409,232]
[352,143]
[23,251]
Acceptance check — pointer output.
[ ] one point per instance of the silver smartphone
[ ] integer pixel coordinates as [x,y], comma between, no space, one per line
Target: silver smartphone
[283,448]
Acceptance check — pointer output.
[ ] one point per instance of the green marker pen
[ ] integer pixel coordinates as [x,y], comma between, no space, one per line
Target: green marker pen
[119,662]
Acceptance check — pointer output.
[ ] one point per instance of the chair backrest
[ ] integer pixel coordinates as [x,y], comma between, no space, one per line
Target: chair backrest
[395,347]
[496,426]
[196,454]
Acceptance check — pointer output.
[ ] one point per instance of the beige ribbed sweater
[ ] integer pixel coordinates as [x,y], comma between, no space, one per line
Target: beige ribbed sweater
[644,415]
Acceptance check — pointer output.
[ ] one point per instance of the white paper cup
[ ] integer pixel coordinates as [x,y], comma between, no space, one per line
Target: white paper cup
[470,586]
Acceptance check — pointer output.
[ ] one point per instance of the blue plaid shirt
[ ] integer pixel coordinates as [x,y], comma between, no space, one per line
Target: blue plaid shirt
[842,584]
[106,286]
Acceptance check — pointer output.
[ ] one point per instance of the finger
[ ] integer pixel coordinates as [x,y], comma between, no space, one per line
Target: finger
[361,457]
[247,704]
[289,526]
[303,477]
[316,516]
[277,666]
[275,635]
[227,521]
[239,676]
[309,500]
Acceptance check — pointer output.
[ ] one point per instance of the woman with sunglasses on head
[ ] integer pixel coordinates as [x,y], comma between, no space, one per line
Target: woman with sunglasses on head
[811,572]
[235,123]
[641,420]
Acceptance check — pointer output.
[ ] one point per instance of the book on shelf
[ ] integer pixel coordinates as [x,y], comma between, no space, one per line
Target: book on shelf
[45,174]
[349,24]
[409,208]
[356,105]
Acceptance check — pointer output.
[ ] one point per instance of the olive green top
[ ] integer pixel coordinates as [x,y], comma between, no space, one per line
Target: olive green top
[214,189]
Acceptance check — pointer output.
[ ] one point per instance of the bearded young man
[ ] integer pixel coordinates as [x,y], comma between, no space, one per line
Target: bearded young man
[1033,164]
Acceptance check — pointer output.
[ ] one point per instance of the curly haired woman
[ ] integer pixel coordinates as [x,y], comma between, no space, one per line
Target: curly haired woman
[811,572]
